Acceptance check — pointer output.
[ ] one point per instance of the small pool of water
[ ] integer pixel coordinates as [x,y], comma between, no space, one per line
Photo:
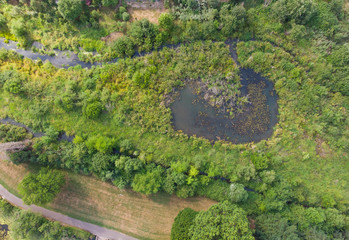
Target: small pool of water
[194,116]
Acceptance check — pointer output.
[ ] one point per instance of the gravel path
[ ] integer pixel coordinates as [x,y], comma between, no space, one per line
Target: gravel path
[101,232]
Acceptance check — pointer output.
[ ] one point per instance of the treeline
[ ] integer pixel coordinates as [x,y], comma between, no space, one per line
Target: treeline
[227,221]
[28,225]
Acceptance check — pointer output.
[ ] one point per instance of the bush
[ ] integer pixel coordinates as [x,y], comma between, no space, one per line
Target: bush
[166,21]
[124,47]
[274,226]
[125,16]
[18,28]
[302,11]
[148,183]
[41,188]
[12,133]
[182,223]
[92,110]
[3,21]
[14,85]
[110,3]
[70,9]
[237,193]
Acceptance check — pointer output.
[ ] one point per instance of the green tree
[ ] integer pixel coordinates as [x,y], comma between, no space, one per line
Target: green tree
[41,5]
[237,193]
[41,188]
[3,21]
[275,227]
[149,182]
[70,9]
[222,221]
[166,22]
[18,28]
[182,224]
[125,16]
[14,85]
[109,3]
[92,110]
[124,47]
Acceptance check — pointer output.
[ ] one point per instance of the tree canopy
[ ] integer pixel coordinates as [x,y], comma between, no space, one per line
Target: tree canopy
[41,188]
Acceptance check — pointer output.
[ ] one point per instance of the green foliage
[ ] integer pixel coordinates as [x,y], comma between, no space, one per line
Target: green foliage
[301,11]
[6,209]
[109,3]
[233,19]
[101,164]
[42,5]
[12,133]
[70,9]
[143,31]
[3,21]
[182,224]
[14,85]
[166,22]
[28,225]
[125,16]
[41,188]
[124,47]
[92,110]
[237,193]
[216,190]
[274,226]
[222,221]
[298,32]
[149,182]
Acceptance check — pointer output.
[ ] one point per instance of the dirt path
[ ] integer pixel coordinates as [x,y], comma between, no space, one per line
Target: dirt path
[101,232]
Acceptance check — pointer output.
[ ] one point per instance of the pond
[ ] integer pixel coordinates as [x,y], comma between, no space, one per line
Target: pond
[194,116]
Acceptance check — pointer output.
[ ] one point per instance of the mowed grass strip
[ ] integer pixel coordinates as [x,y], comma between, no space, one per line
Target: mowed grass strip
[91,200]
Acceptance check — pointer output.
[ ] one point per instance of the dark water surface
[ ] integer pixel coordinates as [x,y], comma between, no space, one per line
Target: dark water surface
[194,116]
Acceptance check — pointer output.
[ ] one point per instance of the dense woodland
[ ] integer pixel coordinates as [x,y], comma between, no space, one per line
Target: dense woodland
[293,185]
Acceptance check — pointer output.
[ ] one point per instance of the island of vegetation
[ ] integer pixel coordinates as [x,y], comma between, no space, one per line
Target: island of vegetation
[176,119]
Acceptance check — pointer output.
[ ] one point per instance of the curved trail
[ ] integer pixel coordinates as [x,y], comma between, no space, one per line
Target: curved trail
[101,232]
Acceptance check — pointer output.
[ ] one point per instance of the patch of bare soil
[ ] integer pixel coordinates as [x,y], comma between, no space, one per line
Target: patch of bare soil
[148,10]
[112,37]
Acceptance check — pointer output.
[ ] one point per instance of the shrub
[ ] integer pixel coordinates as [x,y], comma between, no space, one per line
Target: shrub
[11,133]
[166,21]
[182,223]
[124,47]
[92,110]
[237,193]
[301,11]
[14,85]
[110,3]
[125,16]
[18,28]
[70,9]
[3,21]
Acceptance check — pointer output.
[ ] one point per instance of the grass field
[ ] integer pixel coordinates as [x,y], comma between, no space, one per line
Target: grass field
[98,202]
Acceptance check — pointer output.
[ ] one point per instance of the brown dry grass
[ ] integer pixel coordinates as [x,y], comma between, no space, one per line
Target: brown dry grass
[151,14]
[11,175]
[112,37]
[101,203]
